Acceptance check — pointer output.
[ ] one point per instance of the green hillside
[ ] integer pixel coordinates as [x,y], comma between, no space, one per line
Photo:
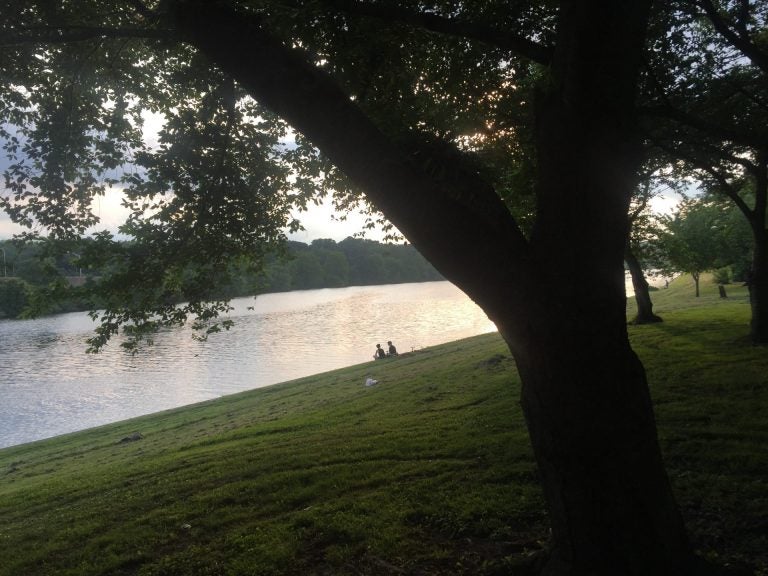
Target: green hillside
[428,472]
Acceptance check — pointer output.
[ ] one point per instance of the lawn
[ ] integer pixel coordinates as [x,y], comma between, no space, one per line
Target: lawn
[428,472]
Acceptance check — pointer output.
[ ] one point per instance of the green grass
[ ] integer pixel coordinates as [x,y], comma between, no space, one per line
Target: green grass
[429,472]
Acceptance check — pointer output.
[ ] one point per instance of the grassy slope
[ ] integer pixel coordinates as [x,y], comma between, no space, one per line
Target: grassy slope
[429,472]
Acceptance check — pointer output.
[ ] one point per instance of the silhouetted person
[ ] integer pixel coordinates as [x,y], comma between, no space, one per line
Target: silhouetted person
[379,352]
[392,349]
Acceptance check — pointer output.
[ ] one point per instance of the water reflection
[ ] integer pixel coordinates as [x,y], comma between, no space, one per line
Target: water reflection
[49,386]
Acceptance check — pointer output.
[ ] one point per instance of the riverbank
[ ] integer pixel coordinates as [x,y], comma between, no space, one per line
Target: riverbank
[49,386]
[428,472]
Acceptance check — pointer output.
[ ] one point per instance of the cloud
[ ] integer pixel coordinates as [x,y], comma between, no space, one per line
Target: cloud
[322,221]
[665,203]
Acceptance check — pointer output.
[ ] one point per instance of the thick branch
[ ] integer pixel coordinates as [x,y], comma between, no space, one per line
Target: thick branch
[436,222]
[60,35]
[503,39]
[725,186]
[761,189]
[645,197]
[741,41]
[743,137]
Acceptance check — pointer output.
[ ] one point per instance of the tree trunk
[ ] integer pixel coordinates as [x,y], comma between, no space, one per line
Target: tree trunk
[558,298]
[591,423]
[585,394]
[645,313]
[758,282]
[758,290]
[696,276]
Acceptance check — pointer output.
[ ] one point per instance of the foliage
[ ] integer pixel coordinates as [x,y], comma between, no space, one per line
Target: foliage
[215,184]
[736,242]
[326,263]
[13,297]
[323,264]
[706,110]
[691,239]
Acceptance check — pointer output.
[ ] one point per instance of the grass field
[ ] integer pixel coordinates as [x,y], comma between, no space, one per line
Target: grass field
[428,472]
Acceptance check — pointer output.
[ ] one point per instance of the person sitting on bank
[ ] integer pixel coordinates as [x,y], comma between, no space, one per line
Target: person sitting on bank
[379,354]
[392,349]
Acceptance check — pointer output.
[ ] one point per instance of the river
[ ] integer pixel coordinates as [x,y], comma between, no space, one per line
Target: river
[50,386]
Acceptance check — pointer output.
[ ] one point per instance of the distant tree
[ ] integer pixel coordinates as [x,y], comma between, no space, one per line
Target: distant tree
[276,277]
[640,246]
[691,239]
[335,268]
[710,112]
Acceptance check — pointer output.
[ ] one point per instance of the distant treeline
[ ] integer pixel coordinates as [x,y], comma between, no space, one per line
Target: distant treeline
[329,264]
[321,264]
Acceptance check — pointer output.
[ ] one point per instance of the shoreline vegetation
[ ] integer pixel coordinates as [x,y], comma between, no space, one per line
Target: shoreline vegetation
[428,472]
[324,263]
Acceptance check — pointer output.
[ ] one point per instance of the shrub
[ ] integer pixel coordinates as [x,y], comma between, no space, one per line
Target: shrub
[722,275]
[14,297]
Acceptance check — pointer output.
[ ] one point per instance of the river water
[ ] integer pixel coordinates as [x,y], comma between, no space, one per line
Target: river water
[50,386]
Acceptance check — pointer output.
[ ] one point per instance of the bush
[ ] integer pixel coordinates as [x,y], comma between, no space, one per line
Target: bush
[722,275]
[14,297]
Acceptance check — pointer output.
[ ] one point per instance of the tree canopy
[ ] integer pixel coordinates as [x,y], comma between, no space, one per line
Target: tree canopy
[503,139]
[691,239]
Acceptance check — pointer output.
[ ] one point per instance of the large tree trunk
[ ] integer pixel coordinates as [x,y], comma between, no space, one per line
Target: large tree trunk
[591,423]
[645,313]
[585,394]
[558,298]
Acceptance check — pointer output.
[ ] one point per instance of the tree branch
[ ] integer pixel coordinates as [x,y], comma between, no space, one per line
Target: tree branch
[707,127]
[741,41]
[725,186]
[505,40]
[60,35]
[435,220]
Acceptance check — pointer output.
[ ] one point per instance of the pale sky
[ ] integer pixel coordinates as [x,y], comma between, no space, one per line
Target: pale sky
[317,220]
[665,203]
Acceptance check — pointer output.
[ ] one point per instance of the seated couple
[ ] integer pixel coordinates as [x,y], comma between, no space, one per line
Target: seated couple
[379,354]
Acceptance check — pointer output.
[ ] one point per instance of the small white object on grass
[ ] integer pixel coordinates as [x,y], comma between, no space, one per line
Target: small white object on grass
[370,381]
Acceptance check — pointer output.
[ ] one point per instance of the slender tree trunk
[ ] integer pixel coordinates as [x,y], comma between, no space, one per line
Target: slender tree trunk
[758,290]
[758,282]
[696,276]
[645,313]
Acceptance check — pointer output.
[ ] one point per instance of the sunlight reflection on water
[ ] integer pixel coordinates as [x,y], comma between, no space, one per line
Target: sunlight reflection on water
[49,386]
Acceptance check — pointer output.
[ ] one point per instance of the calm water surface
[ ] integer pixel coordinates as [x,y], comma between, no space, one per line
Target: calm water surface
[49,386]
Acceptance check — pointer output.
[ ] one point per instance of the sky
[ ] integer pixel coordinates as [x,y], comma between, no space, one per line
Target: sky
[318,221]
